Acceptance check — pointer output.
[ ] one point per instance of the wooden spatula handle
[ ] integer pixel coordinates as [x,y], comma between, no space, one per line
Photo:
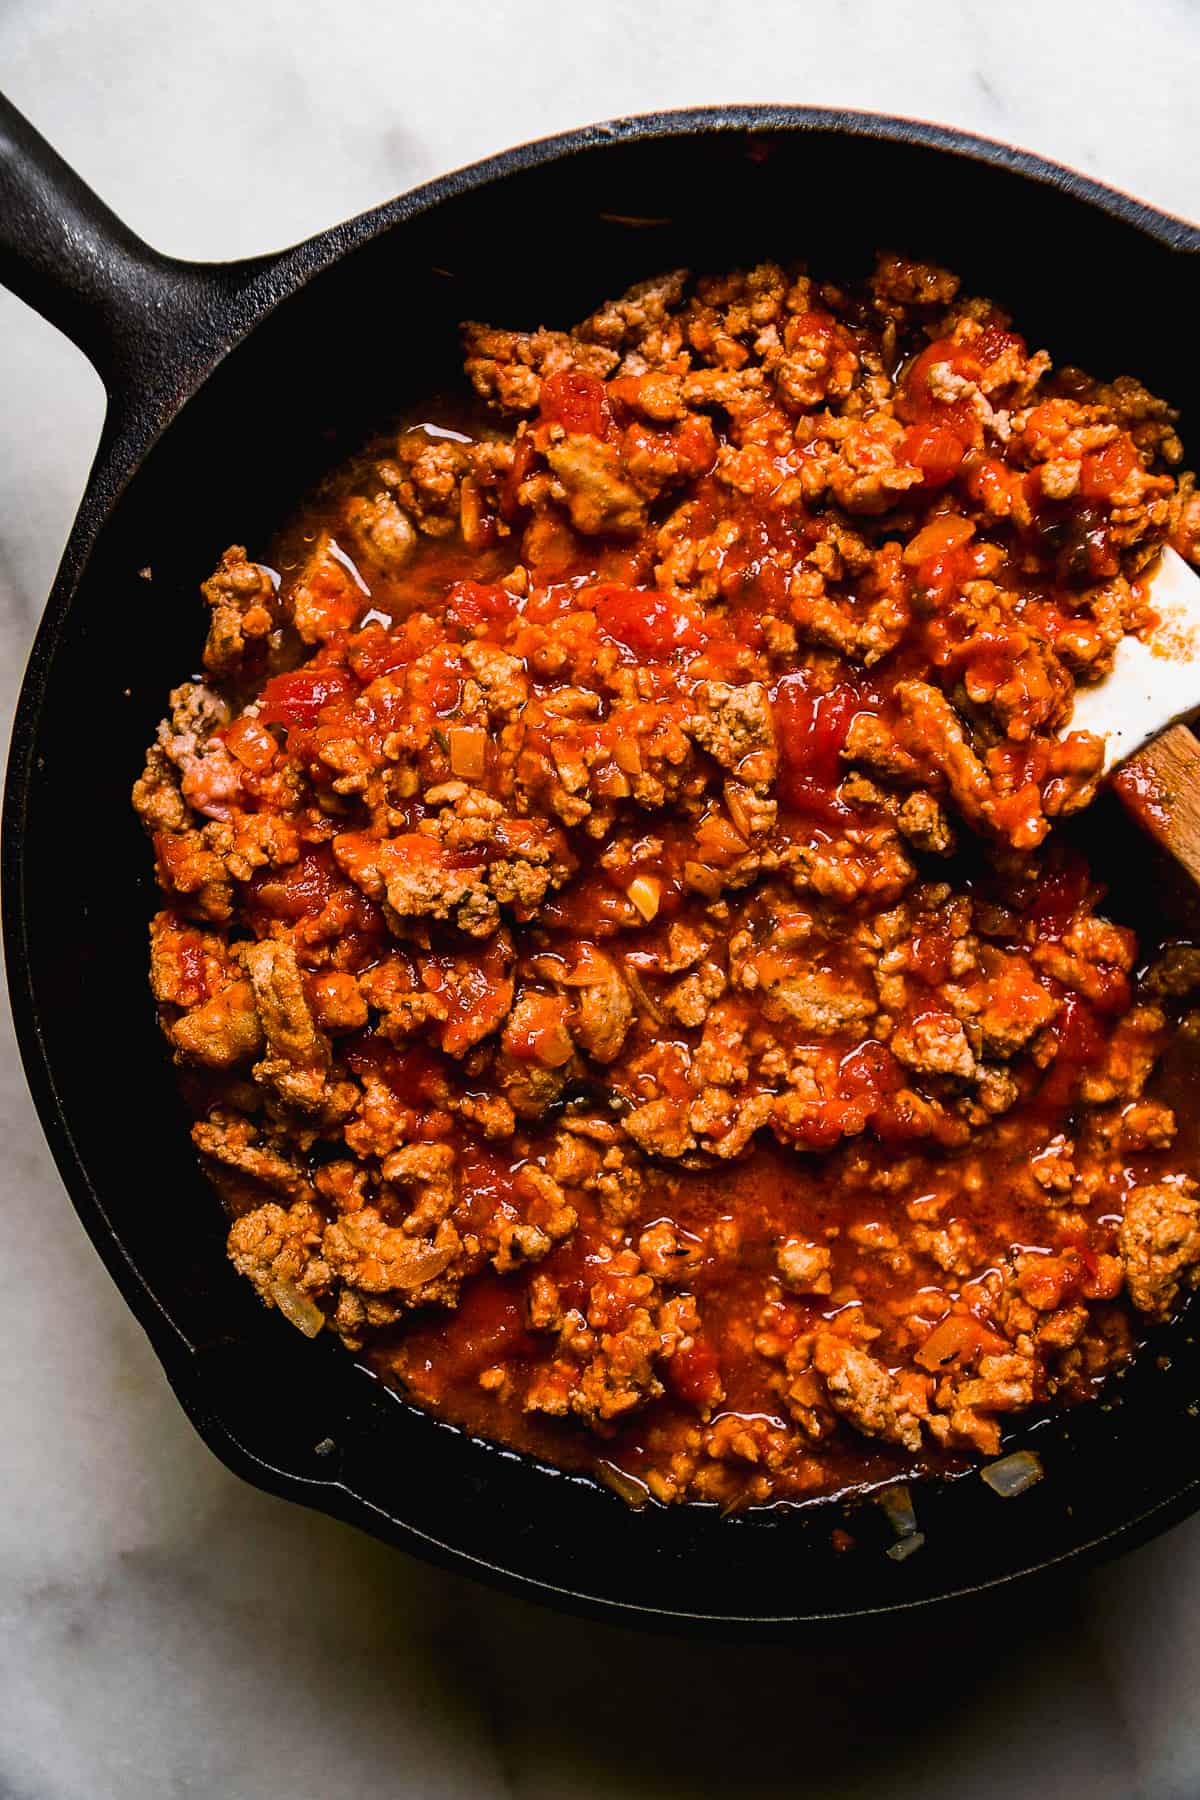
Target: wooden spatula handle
[1160,786]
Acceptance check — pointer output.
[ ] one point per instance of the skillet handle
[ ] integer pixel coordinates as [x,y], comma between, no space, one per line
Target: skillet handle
[151,325]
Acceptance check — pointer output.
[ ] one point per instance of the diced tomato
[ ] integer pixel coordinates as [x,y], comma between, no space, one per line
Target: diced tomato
[485,1176]
[755,569]
[476,991]
[375,652]
[302,889]
[991,481]
[691,445]
[940,432]
[812,728]
[299,698]
[944,533]
[1080,1045]
[647,623]
[410,847]
[305,888]
[577,401]
[416,1074]
[1058,896]
[1079,1036]
[252,744]
[522,462]
[471,604]
[596,903]
[931,954]
[994,340]
[1102,472]
[812,325]
[936,450]
[869,1073]
[172,854]
[962,359]
[694,1375]
[443,691]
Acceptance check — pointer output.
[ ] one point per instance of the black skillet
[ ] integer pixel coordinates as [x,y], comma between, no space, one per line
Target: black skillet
[230,388]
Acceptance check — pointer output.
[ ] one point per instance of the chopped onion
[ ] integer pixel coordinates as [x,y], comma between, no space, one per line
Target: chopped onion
[702,880]
[896,1503]
[642,994]
[737,811]
[645,892]
[635,1493]
[297,1308]
[907,1544]
[422,1263]
[613,784]
[1013,1474]
[956,1332]
[467,750]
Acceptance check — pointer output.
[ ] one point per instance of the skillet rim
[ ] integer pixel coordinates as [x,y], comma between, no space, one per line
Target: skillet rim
[224,303]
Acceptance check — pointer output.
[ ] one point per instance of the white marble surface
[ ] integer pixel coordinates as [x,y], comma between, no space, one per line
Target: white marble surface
[165,1631]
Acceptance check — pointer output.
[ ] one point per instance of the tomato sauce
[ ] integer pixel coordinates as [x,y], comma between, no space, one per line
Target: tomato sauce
[615,931]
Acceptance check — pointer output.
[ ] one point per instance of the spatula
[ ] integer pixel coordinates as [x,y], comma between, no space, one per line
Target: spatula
[1140,710]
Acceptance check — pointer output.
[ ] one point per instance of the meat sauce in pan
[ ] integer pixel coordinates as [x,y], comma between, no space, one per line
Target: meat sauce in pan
[618,935]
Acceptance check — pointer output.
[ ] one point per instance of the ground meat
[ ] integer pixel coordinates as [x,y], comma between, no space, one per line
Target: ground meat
[592,486]
[863,1390]
[377,1258]
[734,725]
[221,1032]
[925,825]
[297,1064]
[661,1128]
[818,1002]
[604,1010]
[244,607]
[551,945]
[507,367]
[383,530]
[1160,1243]
[235,1143]
[280,1253]
[934,1043]
[805,1267]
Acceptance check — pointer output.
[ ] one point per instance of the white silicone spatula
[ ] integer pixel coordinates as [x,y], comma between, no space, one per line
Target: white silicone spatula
[1139,710]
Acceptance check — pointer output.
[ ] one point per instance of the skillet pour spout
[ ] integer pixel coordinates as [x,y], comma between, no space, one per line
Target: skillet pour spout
[231,388]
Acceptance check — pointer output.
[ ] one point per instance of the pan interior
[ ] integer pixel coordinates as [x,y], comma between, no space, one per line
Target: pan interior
[363,341]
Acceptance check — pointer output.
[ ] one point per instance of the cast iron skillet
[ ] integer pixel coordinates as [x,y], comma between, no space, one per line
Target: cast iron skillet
[230,387]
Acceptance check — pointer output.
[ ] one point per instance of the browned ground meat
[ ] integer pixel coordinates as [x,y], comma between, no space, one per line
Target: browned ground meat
[614,930]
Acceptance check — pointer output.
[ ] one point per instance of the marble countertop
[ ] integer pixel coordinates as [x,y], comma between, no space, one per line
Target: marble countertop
[167,1631]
